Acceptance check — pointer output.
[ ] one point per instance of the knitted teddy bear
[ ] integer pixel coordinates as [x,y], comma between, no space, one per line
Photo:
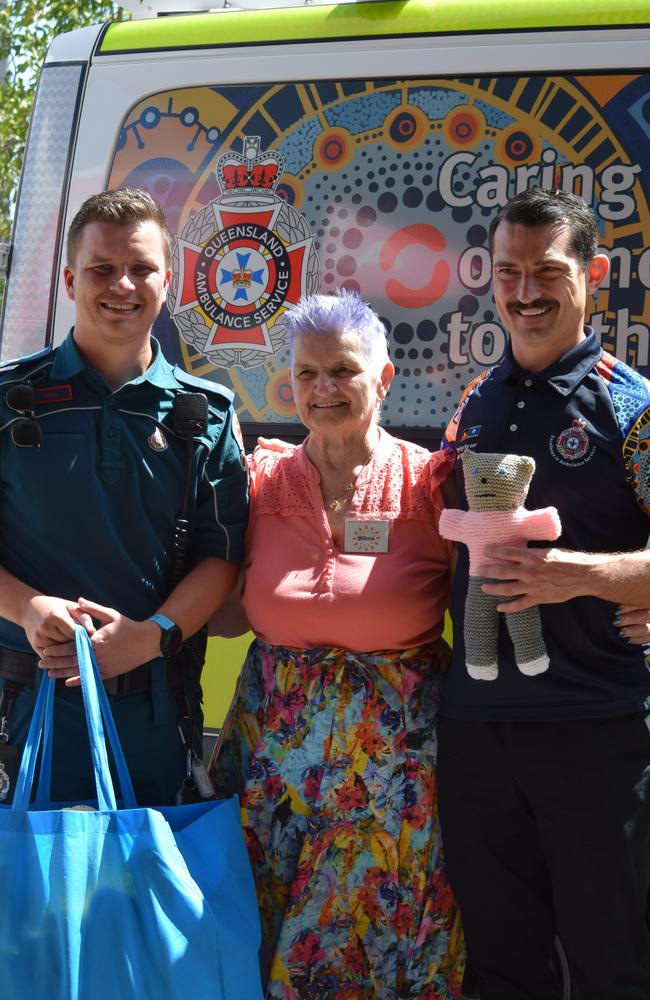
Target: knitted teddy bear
[496,488]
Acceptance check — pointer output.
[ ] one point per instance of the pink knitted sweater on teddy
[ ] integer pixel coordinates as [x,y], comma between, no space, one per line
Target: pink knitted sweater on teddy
[479,528]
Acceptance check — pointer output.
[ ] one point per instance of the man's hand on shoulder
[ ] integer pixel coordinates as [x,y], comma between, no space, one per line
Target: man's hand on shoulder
[120,645]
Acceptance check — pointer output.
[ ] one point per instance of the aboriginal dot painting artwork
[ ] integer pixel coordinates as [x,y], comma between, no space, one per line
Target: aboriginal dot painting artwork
[387,187]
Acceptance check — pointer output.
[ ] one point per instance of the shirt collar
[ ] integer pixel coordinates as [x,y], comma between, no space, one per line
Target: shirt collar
[563,375]
[69,361]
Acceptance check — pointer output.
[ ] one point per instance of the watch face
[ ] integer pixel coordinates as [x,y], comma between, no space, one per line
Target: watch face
[171,641]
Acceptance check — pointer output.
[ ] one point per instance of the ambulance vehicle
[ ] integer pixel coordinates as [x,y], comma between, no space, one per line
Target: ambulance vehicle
[298,147]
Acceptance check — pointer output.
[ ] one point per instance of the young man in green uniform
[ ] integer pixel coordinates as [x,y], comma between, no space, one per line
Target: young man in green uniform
[96,467]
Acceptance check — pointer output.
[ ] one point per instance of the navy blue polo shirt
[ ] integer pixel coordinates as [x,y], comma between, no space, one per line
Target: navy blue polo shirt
[91,513]
[586,422]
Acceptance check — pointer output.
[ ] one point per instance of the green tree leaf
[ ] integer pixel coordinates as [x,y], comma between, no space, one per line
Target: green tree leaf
[26,29]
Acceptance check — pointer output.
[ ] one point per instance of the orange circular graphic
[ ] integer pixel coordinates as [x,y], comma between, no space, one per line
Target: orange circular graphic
[279,394]
[517,145]
[424,235]
[291,190]
[463,128]
[333,149]
[405,128]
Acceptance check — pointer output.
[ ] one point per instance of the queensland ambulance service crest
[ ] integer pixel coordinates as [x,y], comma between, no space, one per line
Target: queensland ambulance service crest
[572,446]
[240,262]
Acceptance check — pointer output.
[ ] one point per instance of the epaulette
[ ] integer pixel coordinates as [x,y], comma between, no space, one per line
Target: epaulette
[197,384]
[28,365]
[629,391]
[25,359]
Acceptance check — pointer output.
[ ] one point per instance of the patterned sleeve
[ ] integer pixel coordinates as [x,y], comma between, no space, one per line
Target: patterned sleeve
[637,454]
[629,393]
[450,437]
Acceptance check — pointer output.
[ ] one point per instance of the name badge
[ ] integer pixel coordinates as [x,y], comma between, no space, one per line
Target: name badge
[366,535]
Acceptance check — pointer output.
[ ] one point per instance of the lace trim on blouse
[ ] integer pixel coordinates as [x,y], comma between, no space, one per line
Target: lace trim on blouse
[401,481]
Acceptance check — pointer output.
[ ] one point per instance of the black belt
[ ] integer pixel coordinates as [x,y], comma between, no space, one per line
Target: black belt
[20,668]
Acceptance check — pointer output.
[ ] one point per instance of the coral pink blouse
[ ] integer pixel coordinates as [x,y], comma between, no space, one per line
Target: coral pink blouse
[301,590]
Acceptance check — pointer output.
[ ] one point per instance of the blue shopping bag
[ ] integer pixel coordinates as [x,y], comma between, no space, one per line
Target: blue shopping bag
[121,902]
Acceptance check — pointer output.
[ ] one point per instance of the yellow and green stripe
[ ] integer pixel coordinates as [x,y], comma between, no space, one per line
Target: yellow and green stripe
[390,18]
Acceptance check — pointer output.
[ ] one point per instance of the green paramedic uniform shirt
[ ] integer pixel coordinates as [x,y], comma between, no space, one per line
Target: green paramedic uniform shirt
[91,513]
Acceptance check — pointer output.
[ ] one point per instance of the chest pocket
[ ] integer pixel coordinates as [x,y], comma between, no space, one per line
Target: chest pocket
[66,450]
[33,468]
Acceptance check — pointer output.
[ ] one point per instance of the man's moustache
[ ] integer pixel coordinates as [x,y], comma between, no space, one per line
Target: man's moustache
[538,304]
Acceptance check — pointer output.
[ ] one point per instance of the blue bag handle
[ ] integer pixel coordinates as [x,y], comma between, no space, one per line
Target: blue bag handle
[25,779]
[99,720]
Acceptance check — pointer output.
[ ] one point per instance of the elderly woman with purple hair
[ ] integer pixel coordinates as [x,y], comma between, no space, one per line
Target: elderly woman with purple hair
[331,738]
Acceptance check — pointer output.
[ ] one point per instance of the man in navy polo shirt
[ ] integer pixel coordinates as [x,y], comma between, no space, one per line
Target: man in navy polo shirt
[96,467]
[545,780]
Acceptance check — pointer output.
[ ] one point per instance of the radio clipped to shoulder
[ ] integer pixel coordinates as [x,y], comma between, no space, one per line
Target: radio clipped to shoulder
[189,421]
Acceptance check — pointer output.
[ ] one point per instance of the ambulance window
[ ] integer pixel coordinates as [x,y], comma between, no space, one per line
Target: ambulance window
[37,227]
[275,190]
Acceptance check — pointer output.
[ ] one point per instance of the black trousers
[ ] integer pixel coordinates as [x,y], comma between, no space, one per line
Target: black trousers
[546,828]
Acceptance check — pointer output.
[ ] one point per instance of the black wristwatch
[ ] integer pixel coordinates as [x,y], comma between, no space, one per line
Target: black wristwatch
[171,639]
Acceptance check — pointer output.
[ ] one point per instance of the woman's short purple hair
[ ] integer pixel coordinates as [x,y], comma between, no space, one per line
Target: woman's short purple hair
[344,312]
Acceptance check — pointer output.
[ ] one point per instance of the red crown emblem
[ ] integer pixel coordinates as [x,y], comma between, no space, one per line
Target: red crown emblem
[251,177]
[242,277]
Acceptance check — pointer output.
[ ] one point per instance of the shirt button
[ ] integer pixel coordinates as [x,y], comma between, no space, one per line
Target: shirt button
[528,382]
[513,427]
[520,404]
[112,432]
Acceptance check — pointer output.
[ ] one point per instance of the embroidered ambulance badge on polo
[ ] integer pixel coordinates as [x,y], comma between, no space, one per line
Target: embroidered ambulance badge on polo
[157,441]
[572,445]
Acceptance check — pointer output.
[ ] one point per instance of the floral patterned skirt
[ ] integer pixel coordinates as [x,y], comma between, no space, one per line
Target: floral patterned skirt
[333,756]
